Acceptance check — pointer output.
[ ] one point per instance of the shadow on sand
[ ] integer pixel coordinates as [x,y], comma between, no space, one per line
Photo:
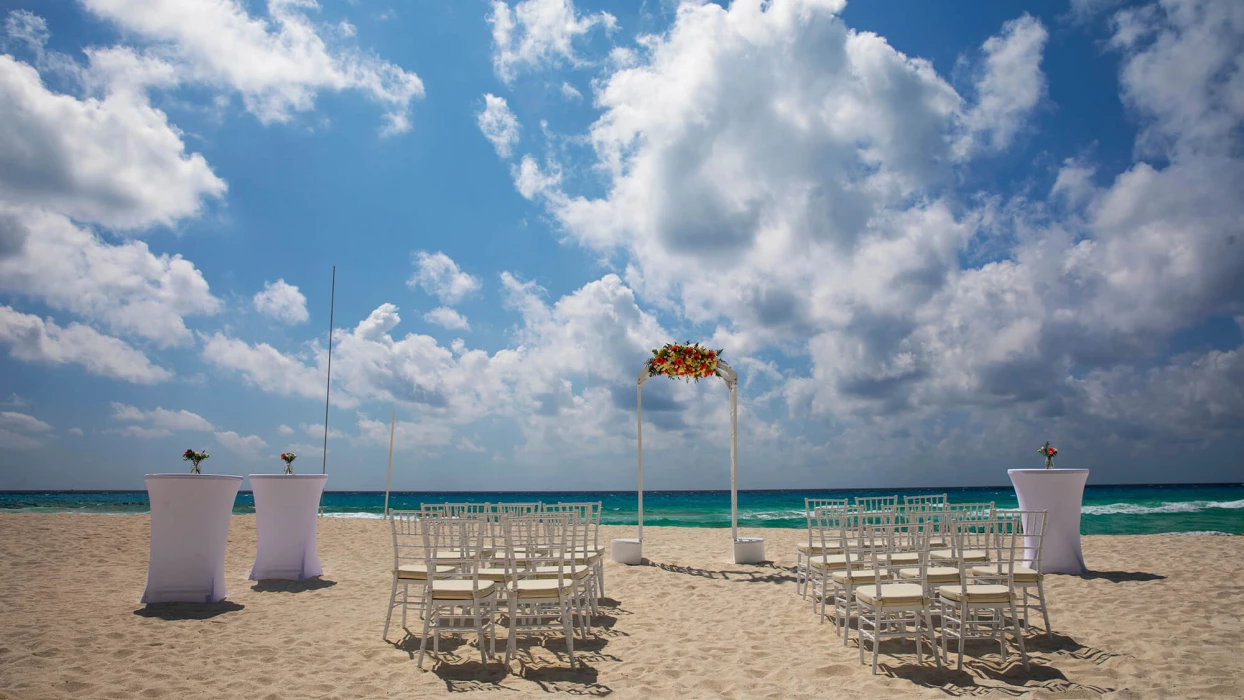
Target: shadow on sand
[277,585]
[188,611]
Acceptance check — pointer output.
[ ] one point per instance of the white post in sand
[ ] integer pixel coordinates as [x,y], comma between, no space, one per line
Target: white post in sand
[626,550]
[387,477]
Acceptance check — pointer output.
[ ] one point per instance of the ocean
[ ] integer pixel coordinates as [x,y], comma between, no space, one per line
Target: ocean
[1107,510]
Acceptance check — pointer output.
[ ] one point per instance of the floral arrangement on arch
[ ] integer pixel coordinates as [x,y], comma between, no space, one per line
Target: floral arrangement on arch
[685,361]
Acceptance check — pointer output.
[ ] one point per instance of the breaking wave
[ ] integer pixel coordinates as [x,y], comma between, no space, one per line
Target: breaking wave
[1177,507]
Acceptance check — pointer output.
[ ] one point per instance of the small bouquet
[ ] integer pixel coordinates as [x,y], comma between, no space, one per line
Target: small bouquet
[1047,452]
[288,458]
[194,458]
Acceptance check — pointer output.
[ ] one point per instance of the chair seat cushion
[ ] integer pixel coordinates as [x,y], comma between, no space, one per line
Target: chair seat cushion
[858,576]
[575,572]
[891,594]
[461,590]
[904,558]
[818,549]
[543,588]
[1022,574]
[934,574]
[419,572]
[976,593]
[828,562]
[493,573]
[970,555]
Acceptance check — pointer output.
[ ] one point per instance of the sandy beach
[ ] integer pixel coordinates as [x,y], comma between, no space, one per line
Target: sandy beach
[1159,618]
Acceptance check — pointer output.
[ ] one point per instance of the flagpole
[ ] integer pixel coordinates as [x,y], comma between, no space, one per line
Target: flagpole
[392,426]
[328,388]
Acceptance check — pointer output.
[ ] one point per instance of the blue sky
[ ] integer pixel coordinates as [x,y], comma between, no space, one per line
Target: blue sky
[928,240]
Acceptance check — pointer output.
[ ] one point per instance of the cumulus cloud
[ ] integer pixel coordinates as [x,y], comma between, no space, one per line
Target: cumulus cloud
[498,124]
[110,158]
[1010,84]
[161,418]
[446,317]
[76,432]
[265,367]
[571,93]
[32,339]
[538,33]
[248,447]
[440,276]
[829,220]
[218,43]
[124,287]
[20,431]
[281,301]
[285,430]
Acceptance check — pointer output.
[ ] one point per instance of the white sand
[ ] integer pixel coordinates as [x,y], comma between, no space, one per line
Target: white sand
[1166,624]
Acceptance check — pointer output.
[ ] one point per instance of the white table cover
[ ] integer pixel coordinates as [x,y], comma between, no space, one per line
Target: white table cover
[286,506]
[1061,492]
[189,528]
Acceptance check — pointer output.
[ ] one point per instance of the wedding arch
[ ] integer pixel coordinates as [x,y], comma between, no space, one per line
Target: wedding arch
[692,363]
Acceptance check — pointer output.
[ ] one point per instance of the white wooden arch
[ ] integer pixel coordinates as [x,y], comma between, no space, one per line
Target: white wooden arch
[732,381]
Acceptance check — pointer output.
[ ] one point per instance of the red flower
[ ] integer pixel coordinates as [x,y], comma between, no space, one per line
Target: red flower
[282,455]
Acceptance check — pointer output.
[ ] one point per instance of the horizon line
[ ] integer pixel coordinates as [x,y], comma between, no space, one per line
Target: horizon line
[818,490]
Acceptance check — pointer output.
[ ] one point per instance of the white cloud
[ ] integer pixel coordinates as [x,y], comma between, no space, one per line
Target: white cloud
[218,43]
[285,430]
[10,420]
[1010,85]
[265,367]
[124,287]
[570,92]
[446,317]
[109,158]
[161,417]
[498,124]
[33,339]
[281,301]
[76,432]
[141,432]
[20,431]
[406,435]
[247,447]
[538,33]
[440,276]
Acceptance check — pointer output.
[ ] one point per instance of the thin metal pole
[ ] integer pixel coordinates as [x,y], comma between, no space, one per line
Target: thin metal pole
[392,426]
[639,394]
[332,305]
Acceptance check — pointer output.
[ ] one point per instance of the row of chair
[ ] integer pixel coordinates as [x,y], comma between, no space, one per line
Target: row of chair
[465,562]
[893,568]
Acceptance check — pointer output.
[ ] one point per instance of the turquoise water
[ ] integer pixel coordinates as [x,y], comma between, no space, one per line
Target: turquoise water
[1108,510]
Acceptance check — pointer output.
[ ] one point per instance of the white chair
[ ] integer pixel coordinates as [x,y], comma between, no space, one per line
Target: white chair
[929,502]
[457,600]
[811,548]
[898,607]
[539,601]
[856,569]
[979,610]
[1027,573]
[830,531]
[409,566]
[592,553]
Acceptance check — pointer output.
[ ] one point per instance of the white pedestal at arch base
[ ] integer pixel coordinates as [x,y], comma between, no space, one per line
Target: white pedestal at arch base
[628,551]
[749,550]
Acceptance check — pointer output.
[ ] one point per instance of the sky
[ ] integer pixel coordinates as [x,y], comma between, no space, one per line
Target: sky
[929,237]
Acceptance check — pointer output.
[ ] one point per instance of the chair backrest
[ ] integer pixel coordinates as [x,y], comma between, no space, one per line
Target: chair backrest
[539,539]
[884,540]
[812,505]
[589,516]
[517,508]
[1032,526]
[874,504]
[859,535]
[1000,538]
[913,505]
[453,549]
